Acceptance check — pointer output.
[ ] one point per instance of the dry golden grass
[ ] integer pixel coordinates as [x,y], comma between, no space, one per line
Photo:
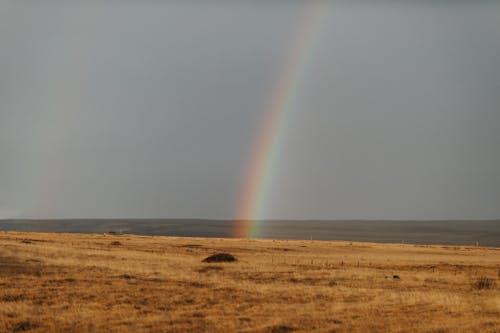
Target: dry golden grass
[103,283]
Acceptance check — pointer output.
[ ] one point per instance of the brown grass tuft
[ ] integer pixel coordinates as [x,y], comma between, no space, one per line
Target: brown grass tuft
[209,269]
[24,326]
[12,298]
[483,283]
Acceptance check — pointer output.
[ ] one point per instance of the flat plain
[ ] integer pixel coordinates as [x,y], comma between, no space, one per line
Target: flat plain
[54,282]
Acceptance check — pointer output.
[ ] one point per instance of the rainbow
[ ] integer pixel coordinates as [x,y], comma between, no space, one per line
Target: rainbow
[256,188]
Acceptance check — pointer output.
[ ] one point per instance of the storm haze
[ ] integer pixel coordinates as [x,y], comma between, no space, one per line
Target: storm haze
[151,109]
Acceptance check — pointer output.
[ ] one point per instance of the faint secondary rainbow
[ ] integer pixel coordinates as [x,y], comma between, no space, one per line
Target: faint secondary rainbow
[58,113]
[256,188]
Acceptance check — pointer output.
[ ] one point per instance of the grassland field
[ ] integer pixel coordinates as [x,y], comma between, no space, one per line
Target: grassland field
[51,282]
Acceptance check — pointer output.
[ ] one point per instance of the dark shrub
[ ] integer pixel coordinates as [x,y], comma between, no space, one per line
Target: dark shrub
[282,329]
[220,257]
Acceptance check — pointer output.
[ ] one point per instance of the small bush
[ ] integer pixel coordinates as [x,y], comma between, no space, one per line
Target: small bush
[484,283]
[220,257]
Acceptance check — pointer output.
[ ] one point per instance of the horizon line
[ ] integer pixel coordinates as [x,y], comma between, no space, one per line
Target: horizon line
[263,220]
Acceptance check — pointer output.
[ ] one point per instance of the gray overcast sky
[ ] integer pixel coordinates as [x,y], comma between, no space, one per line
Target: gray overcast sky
[150,109]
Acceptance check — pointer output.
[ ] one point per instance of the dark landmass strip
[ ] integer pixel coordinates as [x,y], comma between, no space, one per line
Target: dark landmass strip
[458,232]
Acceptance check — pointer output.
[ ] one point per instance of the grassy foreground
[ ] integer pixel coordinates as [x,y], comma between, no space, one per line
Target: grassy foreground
[104,283]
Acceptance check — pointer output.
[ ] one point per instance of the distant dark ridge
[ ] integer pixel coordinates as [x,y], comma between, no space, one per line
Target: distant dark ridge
[445,232]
